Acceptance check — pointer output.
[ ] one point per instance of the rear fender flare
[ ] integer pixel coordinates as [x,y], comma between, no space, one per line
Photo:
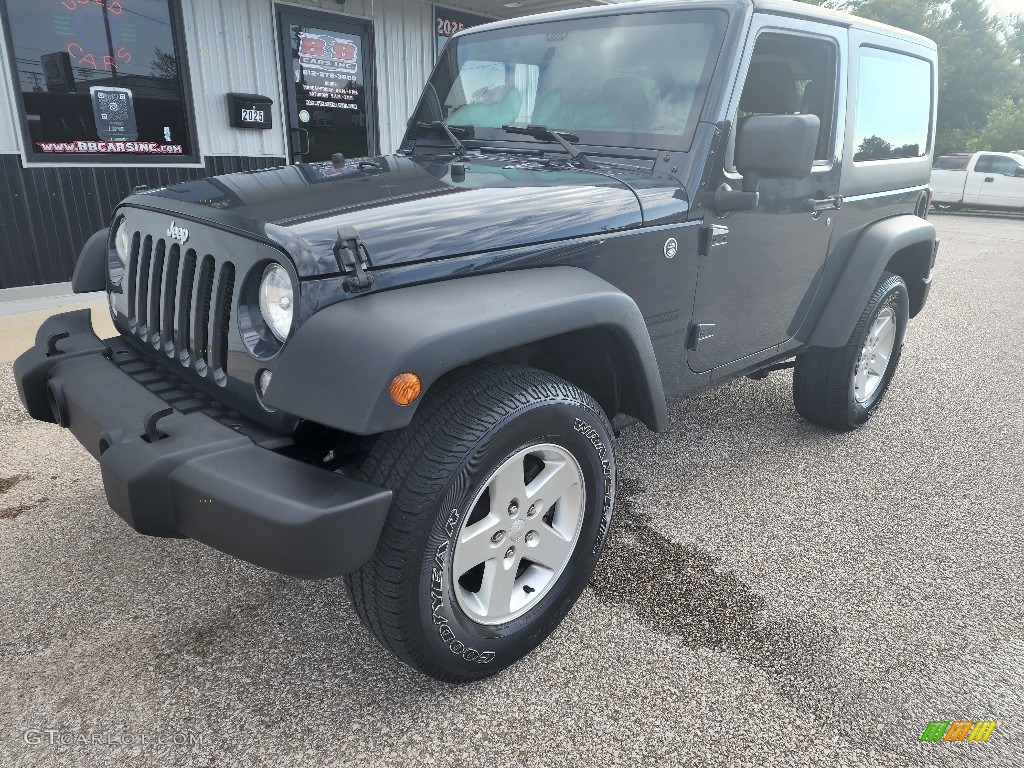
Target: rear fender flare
[868,256]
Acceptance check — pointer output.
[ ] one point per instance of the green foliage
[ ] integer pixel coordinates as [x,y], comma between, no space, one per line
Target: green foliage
[912,15]
[981,66]
[1004,130]
[1015,37]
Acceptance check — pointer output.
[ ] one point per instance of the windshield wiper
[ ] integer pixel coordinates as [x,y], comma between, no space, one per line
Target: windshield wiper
[544,133]
[460,148]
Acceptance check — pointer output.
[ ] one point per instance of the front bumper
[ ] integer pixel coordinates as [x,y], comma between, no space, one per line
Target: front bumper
[169,473]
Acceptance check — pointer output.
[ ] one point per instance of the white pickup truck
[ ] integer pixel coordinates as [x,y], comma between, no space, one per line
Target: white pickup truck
[992,180]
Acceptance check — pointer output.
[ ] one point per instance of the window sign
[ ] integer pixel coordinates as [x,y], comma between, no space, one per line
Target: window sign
[114,112]
[448,22]
[100,79]
[331,65]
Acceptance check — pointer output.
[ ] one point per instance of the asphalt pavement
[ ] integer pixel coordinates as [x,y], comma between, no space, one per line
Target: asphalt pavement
[772,594]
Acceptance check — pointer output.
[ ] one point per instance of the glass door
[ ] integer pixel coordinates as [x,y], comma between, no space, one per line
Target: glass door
[328,77]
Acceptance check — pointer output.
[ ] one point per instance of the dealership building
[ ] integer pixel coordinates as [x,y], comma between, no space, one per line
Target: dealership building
[107,96]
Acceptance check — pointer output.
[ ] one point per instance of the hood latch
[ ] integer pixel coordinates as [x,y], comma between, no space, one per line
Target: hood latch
[353,259]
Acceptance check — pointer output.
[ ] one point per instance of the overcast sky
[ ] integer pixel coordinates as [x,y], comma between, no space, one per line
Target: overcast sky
[1007,6]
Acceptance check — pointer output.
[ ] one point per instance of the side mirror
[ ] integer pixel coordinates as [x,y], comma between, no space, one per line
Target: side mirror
[773,147]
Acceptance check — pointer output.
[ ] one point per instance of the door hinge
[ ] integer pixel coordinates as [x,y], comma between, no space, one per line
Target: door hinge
[699,332]
[353,259]
[712,235]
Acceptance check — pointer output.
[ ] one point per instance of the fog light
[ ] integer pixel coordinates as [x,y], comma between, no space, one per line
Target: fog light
[405,388]
[264,381]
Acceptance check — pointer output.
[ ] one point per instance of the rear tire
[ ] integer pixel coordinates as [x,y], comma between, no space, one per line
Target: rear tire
[482,435]
[841,388]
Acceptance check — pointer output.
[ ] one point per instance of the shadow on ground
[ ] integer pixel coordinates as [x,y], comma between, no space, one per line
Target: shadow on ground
[682,591]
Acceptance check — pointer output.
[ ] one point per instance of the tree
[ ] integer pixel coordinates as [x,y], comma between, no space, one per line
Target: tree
[1004,130]
[912,15]
[1015,37]
[874,148]
[976,70]
[976,51]
[164,65]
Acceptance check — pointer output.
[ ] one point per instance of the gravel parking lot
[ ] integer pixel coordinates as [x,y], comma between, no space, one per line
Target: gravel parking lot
[772,594]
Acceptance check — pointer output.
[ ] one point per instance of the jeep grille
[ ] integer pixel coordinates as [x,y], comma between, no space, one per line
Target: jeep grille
[180,303]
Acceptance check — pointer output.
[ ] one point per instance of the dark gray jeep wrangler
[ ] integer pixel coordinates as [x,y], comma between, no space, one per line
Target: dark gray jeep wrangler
[404,369]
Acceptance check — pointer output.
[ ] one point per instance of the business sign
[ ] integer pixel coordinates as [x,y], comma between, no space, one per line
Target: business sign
[110,147]
[98,34]
[330,74]
[114,112]
[332,54]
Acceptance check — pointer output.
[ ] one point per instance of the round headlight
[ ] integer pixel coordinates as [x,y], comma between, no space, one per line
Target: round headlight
[122,242]
[277,300]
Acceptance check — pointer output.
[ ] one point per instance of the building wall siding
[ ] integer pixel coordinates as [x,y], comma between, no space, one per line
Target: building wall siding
[232,48]
[405,56]
[47,214]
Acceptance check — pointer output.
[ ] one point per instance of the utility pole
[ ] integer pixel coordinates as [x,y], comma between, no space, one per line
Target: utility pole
[110,41]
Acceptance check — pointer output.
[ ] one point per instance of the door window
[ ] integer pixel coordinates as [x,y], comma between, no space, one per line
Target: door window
[793,75]
[328,83]
[1007,166]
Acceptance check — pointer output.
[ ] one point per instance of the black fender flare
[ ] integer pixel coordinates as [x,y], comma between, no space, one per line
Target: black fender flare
[337,368]
[866,258]
[91,268]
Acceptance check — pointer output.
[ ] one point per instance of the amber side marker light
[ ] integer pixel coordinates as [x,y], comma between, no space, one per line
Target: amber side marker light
[405,388]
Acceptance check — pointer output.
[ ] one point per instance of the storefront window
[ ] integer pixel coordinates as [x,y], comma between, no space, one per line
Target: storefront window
[447,22]
[100,80]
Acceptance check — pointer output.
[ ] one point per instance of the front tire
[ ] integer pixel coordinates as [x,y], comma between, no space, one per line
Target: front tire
[503,490]
[841,388]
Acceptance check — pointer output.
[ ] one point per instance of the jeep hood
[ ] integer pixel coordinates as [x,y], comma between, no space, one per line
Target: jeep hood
[405,210]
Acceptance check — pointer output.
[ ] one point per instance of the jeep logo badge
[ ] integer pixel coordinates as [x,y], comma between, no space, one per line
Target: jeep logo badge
[671,248]
[180,234]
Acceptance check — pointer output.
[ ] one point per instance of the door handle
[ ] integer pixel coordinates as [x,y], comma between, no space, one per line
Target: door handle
[990,178]
[302,132]
[815,205]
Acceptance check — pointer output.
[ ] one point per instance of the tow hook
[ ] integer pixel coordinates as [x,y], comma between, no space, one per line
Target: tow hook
[152,432]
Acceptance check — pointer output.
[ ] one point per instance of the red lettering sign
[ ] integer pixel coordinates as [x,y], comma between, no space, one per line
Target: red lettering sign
[344,51]
[96,60]
[312,46]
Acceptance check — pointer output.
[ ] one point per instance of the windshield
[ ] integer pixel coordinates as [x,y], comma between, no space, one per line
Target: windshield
[633,80]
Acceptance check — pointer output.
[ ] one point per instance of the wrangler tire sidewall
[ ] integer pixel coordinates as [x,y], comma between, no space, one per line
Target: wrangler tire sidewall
[463,646]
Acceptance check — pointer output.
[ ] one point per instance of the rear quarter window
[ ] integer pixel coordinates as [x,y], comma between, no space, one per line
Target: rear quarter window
[951,164]
[894,105]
